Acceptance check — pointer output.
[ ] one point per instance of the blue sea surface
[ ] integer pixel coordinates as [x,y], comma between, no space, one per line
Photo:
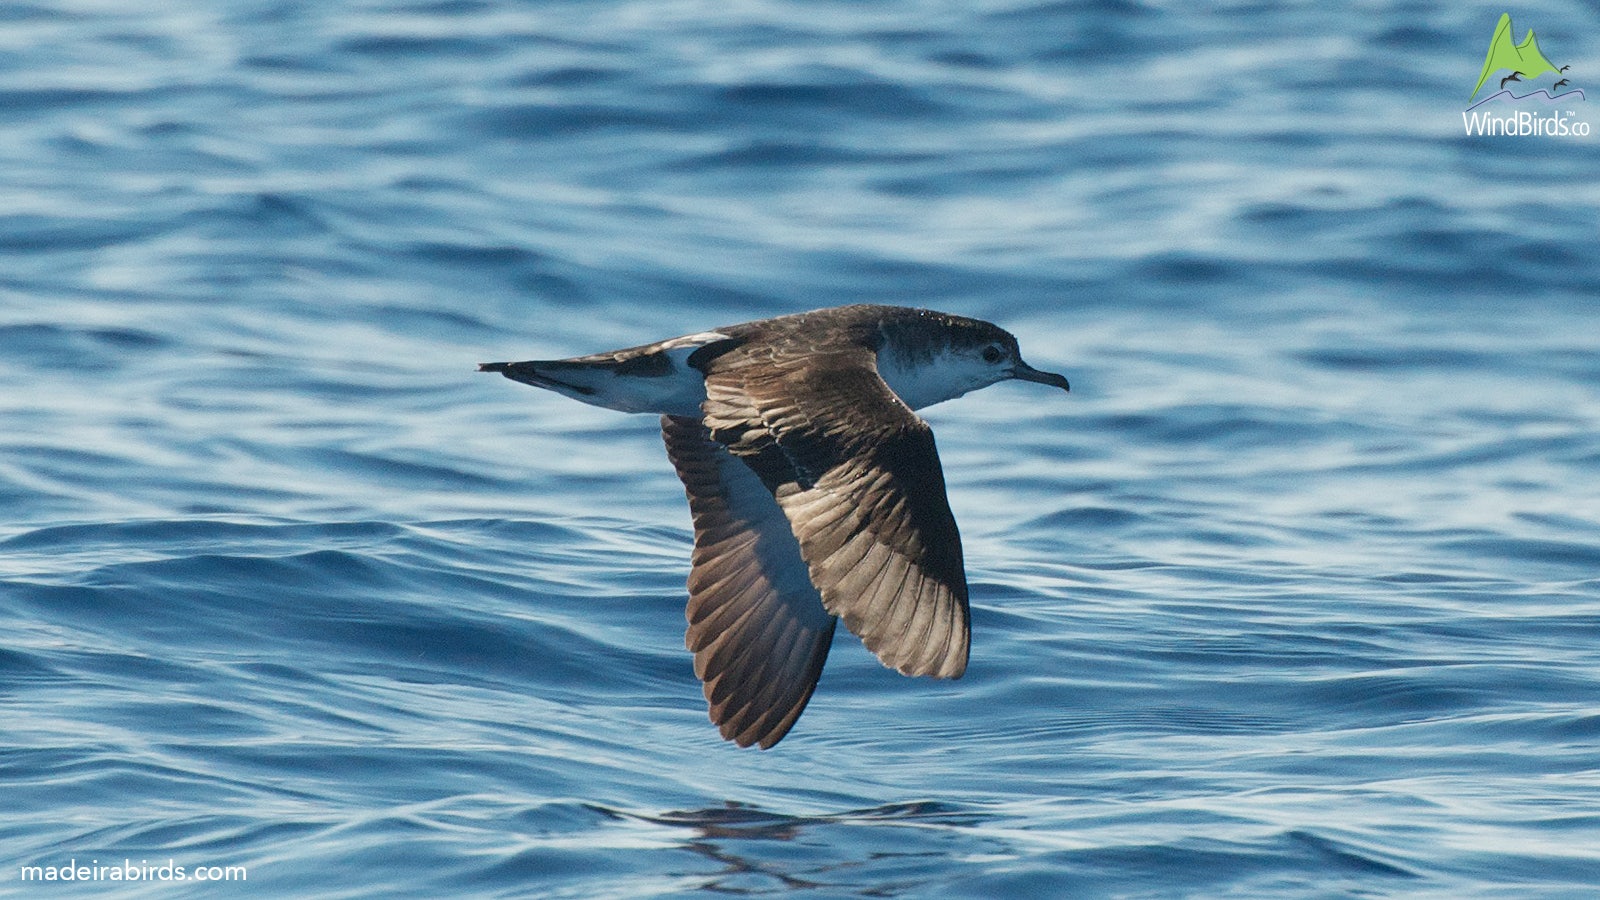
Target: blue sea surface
[1297,594]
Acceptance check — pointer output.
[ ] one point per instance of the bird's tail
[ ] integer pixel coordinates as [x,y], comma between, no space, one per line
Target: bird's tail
[544,373]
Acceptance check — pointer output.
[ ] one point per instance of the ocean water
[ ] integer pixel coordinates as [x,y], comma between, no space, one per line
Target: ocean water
[1297,594]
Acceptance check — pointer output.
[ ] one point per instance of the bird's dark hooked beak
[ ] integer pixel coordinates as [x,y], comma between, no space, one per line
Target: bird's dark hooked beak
[1025,372]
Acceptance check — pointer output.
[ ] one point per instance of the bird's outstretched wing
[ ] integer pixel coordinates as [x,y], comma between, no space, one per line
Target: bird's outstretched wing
[856,473]
[756,624]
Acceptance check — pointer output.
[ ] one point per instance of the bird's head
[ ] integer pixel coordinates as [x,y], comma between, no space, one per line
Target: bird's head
[957,355]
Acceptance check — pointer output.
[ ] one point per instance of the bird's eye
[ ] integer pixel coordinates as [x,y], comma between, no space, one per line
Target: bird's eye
[992,354]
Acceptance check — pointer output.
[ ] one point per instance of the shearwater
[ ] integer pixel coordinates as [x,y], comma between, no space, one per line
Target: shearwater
[816,492]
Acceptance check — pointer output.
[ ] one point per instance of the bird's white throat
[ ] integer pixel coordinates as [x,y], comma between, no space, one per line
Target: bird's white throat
[921,380]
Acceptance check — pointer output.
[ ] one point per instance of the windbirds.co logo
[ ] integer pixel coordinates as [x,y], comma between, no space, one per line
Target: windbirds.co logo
[1526,66]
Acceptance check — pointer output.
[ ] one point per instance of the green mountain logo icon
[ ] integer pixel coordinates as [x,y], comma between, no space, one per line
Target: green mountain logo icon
[1522,60]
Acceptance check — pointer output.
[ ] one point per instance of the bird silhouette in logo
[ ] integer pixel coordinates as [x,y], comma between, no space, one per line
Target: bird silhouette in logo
[1514,76]
[1559,84]
[1565,68]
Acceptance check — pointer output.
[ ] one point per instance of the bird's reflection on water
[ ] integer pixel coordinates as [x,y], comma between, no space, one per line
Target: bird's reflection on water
[719,833]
